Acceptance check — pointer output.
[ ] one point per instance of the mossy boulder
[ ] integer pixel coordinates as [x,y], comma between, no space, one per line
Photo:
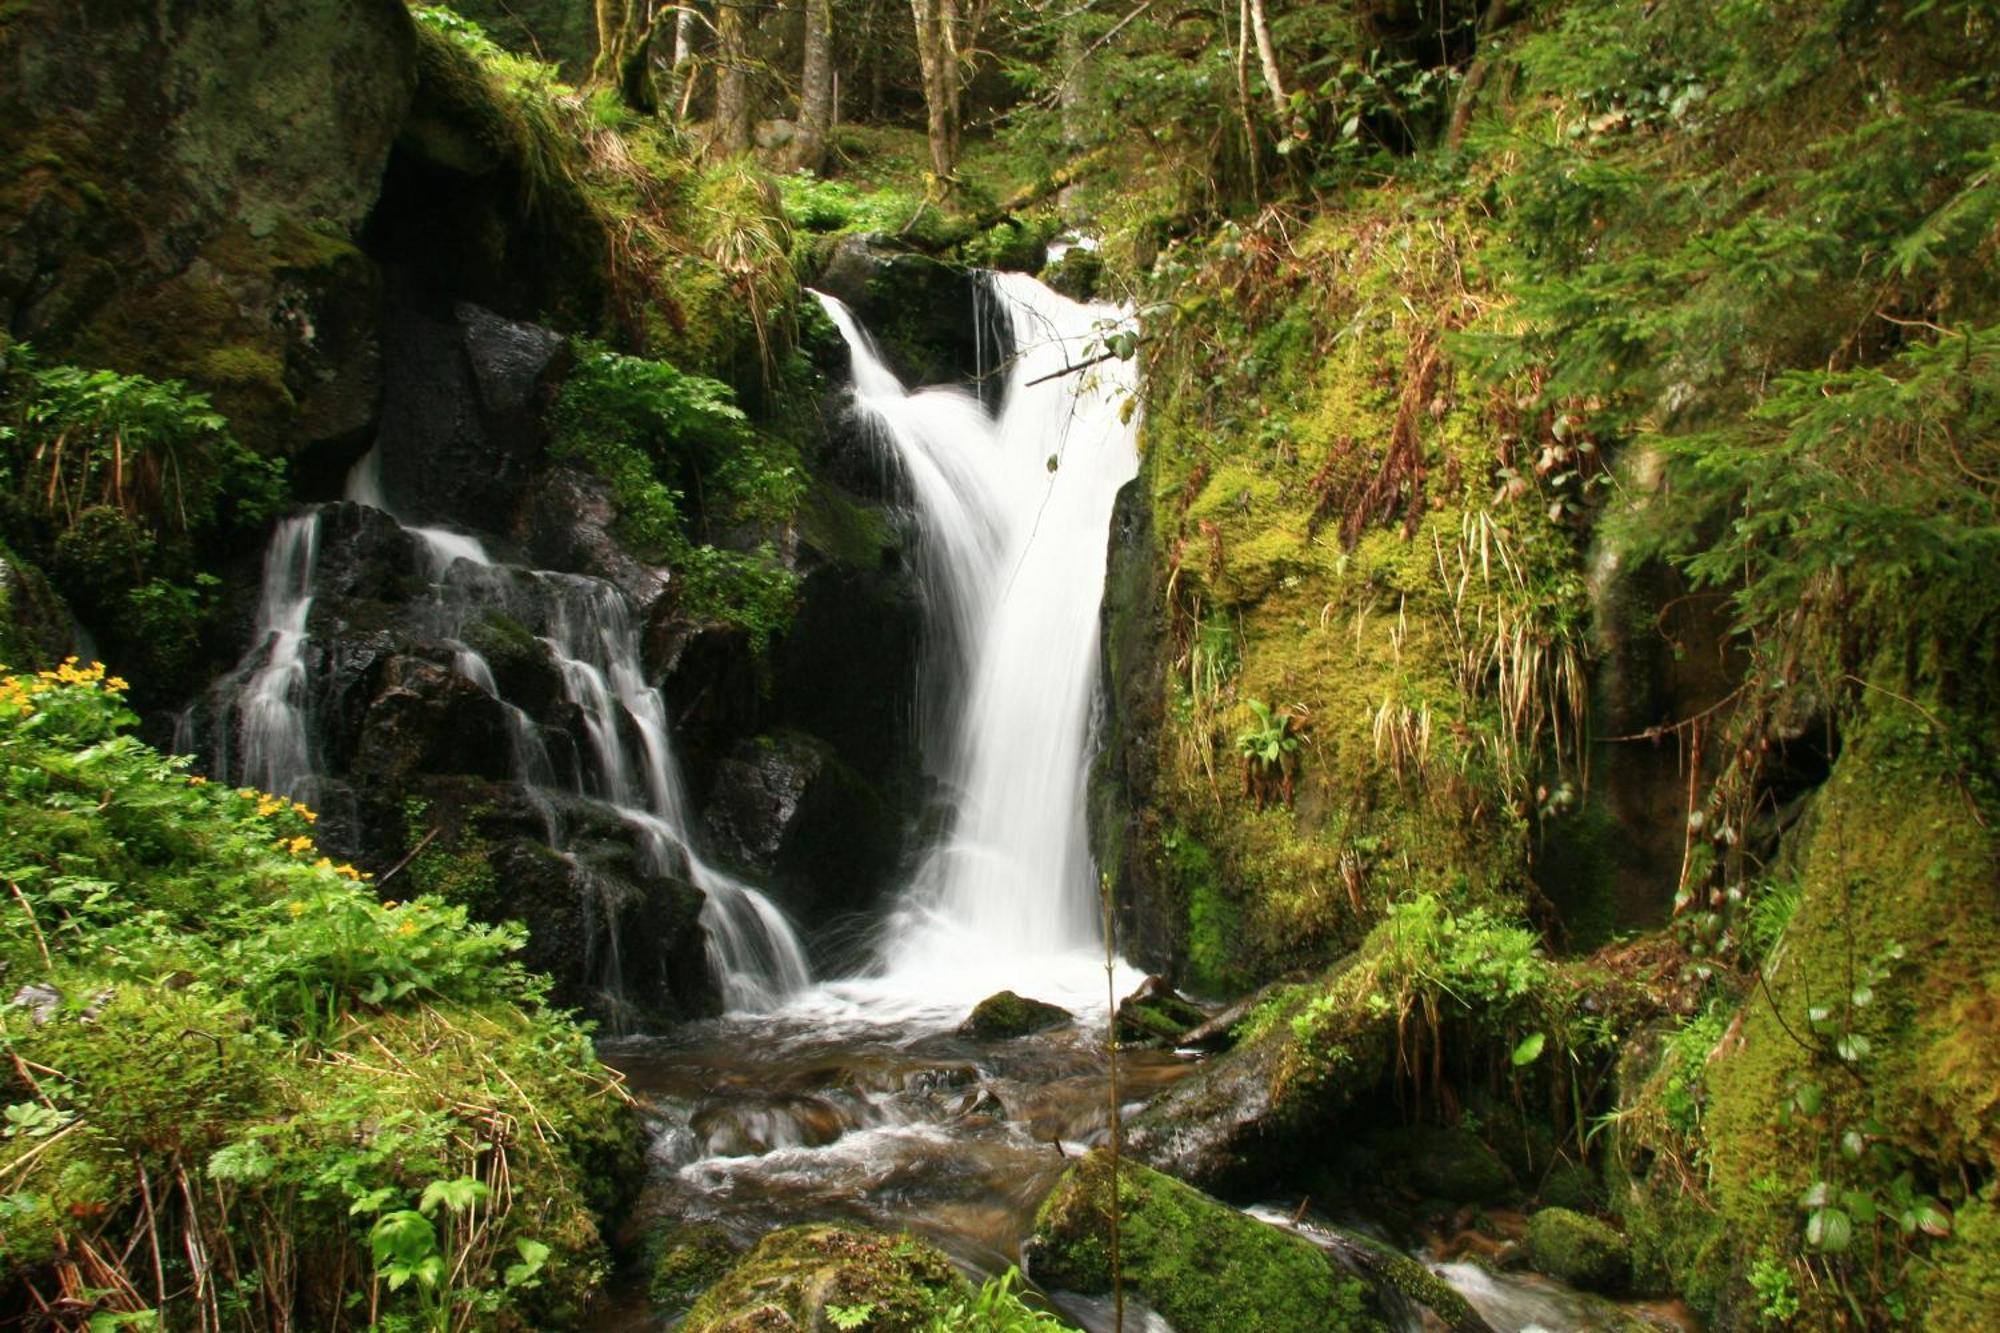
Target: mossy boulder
[688,1260]
[1157,1014]
[1308,1053]
[1455,1164]
[35,628]
[1579,1250]
[181,187]
[1009,1015]
[793,1278]
[1201,1264]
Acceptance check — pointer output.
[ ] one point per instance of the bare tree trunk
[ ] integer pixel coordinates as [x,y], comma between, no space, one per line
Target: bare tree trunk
[1250,148]
[680,81]
[937,52]
[1267,56]
[733,118]
[815,88]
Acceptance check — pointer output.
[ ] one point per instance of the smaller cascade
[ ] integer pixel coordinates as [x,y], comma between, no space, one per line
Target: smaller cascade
[267,715]
[626,762]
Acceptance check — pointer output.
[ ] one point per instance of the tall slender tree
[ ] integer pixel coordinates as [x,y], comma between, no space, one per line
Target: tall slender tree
[937,53]
[735,118]
[624,51]
[808,149]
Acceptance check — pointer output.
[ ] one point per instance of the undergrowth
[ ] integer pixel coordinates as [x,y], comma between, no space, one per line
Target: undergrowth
[241,1091]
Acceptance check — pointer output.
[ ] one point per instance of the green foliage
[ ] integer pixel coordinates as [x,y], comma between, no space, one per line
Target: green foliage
[996,1308]
[122,487]
[234,1044]
[655,434]
[838,207]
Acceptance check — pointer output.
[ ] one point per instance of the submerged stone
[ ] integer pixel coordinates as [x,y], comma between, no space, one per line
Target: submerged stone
[1202,1264]
[1009,1015]
[797,1277]
[1579,1250]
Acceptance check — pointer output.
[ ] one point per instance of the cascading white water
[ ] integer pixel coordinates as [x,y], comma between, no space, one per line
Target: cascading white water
[267,736]
[265,733]
[1013,512]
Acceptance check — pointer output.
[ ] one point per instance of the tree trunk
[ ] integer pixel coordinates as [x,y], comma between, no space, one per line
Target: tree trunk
[937,52]
[815,88]
[733,116]
[680,82]
[1267,56]
[624,40]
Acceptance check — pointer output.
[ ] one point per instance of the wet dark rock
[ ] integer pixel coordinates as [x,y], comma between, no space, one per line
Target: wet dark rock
[846,669]
[1206,1267]
[1453,1164]
[923,313]
[793,1277]
[1009,1015]
[185,192]
[786,810]
[1579,1250]
[570,525]
[1246,1117]
[461,431]
[1157,1013]
[1123,821]
[426,718]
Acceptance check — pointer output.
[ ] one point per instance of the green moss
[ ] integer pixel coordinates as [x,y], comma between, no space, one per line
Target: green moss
[691,1257]
[1579,1250]
[1965,1290]
[803,1272]
[1009,1015]
[453,859]
[1203,1265]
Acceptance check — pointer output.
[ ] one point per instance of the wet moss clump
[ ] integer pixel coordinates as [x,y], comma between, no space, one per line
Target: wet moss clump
[799,1276]
[1201,1264]
[692,1258]
[1009,1015]
[1579,1250]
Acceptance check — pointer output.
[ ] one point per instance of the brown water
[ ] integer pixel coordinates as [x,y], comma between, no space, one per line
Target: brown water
[765,1121]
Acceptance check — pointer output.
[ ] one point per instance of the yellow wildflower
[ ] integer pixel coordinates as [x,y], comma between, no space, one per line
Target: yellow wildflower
[295,907]
[407,928]
[197,782]
[300,845]
[324,863]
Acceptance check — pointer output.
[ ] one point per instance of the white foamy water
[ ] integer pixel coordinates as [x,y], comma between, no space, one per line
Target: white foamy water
[1013,512]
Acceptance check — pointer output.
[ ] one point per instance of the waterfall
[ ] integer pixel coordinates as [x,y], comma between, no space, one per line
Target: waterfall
[266,735]
[627,761]
[1013,513]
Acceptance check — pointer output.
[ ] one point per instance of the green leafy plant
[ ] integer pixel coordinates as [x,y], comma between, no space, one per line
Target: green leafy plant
[1269,747]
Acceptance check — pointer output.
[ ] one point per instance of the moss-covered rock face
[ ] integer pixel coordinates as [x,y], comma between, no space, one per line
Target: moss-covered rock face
[1579,1250]
[1892,942]
[796,1277]
[1204,1266]
[998,1017]
[180,186]
[34,624]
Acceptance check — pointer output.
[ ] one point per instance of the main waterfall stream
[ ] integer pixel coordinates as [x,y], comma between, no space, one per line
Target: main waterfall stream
[856,1098]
